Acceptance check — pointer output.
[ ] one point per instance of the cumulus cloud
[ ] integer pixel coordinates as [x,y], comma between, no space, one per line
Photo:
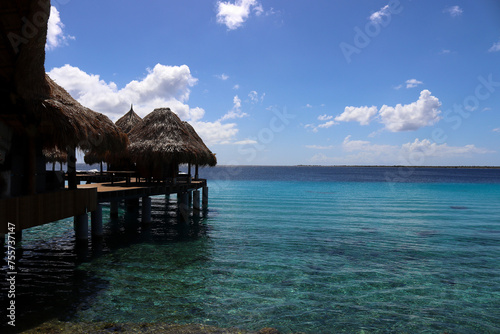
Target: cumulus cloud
[454,11]
[233,15]
[425,151]
[495,47]
[235,112]
[55,34]
[363,115]
[410,117]
[411,83]
[163,86]
[324,117]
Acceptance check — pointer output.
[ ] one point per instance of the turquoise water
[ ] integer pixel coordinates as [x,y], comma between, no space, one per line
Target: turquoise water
[310,256]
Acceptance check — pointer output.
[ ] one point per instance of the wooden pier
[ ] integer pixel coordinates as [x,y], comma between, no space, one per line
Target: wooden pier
[30,211]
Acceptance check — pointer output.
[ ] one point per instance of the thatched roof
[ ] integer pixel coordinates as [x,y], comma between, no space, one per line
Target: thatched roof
[162,138]
[55,155]
[65,121]
[127,122]
[30,102]
[208,157]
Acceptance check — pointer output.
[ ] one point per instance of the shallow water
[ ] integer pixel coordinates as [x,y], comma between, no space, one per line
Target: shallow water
[328,253]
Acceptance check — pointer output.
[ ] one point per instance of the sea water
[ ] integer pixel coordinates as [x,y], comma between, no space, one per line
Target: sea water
[301,249]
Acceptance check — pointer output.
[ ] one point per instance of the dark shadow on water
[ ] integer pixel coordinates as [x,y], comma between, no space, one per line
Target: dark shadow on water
[49,283]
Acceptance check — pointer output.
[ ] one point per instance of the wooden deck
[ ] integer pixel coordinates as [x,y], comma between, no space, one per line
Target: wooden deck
[122,190]
[34,210]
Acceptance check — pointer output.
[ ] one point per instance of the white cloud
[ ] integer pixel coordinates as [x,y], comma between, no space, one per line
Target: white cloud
[326,125]
[411,83]
[234,15]
[421,152]
[398,87]
[324,117]
[254,97]
[495,47]
[55,34]
[454,11]
[215,132]
[319,147]
[409,117]
[430,149]
[236,87]
[245,142]
[235,112]
[222,76]
[163,86]
[445,52]
[496,130]
[363,115]
[378,16]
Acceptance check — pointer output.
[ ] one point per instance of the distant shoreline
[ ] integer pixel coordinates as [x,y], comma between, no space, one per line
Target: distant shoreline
[368,166]
[403,166]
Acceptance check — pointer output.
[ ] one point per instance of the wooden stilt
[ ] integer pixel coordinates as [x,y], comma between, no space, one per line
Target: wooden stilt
[81,225]
[72,184]
[204,199]
[113,209]
[146,210]
[96,222]
[183,209]
[196,201]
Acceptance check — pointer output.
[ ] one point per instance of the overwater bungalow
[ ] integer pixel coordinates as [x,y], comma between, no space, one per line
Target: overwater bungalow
[37,115]
[162,142]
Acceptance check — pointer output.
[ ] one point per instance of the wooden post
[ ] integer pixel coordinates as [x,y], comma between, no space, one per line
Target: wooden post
[31,166]
[96,222]
[196,201]
[196,172]
[189,171]
[113,209]
[146,210]
[182,207]
[204,199]
[81,225]
[71,167]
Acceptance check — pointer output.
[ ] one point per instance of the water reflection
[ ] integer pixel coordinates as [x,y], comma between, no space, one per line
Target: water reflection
[55,277]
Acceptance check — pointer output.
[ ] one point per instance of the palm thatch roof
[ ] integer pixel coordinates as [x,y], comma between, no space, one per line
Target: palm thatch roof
[30,102]
[162,138]
[208,157]
[128,121]
[65,121]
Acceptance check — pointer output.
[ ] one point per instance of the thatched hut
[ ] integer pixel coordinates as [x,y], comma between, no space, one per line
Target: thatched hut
[55,155]
[128,121]
[161,143]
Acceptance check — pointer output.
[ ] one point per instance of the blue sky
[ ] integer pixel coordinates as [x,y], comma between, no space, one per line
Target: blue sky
[268,82]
